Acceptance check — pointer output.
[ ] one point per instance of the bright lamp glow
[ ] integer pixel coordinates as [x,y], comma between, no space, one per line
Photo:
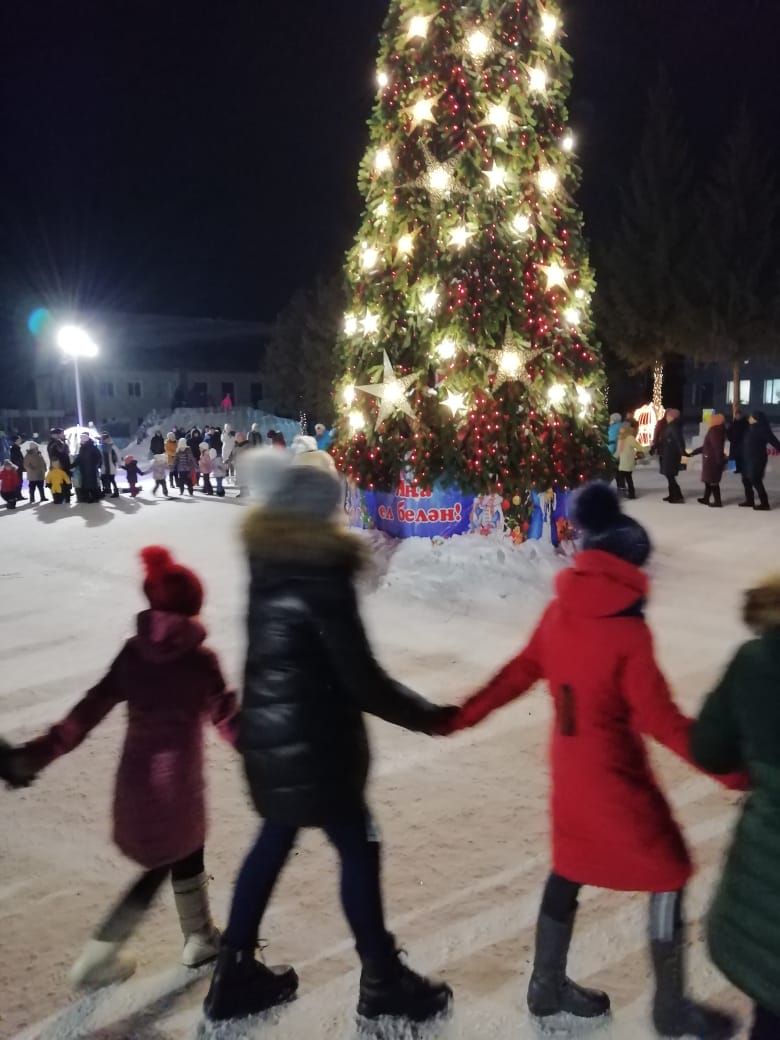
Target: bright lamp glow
[556,394]
[351,324]
[572,316]
[548,180]
[568,142]
[430,301]
[405,245]
[348,394]
[357,421]
[478,43]
[418,27]
[550,24]
[499,116]
[75,342]
[383,160]
[447,349]
[521,223]
[538,79]
[382,79]
[369,258]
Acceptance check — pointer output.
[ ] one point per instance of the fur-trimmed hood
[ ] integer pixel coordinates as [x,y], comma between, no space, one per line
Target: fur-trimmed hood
[762,606]
[275,537]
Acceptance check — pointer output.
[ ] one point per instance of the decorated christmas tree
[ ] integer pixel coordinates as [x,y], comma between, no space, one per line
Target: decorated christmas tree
[465,350]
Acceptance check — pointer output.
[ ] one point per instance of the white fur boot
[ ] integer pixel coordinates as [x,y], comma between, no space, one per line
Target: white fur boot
[201,938]
[100,964]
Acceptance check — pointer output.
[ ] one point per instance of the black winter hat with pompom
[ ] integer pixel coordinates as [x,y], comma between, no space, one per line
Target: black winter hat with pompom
[596,511]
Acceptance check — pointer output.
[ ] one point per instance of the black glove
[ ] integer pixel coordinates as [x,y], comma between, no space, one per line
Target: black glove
[442,721]
[15,769]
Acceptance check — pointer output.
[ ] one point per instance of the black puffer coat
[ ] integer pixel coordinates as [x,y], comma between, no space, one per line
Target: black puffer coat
[310,675]
[672,449]
[754,452]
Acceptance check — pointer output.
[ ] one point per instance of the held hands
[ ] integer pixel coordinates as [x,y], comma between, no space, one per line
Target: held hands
[15,768]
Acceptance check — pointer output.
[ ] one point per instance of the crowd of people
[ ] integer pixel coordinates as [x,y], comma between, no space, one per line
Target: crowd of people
[186,461]
[310,677]
[743,444]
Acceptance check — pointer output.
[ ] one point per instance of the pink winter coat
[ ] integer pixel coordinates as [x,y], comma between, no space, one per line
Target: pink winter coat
[172,685]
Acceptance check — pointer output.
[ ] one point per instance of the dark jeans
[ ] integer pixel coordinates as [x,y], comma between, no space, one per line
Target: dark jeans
[160,484]
[767,1025]
[208,489]
[109,485]
[124,918]
[675,491]
[626,483]
[753,488]
[560,902]
[37,485]
[357,844]
[184,480]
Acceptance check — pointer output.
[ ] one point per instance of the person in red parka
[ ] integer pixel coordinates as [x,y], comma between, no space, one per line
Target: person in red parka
[172,684]
[612,827]
[10,484]
[714,463]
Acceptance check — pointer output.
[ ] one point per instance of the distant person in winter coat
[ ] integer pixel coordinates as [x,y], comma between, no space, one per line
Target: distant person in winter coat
[255,437]
[228,449]
[739,728]
[658,439]
[59,482]
[157,443]
[194,440]
[171,447]
[172,686]
[737,432]
[754,461]
[615,426]
[713,452]
[160,473]
[16,455]
[324,436]
[109,466]
[184,467]
[88,461]
[133,471]
[35,465]
[218,472]
[227,403]
[628,449]
[672,451]
[58,449]
[310,677]
[214,440]
[10,484]
[276,439]
[5,447]
[205,467]
[611,825]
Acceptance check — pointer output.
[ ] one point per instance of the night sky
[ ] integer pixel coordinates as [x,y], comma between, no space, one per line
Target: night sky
[199,157]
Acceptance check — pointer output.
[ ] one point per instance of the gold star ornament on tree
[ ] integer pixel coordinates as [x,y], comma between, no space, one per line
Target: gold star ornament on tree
[512,361]
[391,392]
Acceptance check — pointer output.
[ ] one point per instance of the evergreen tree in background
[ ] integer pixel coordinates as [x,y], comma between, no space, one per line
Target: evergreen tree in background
[465,350]
[646,285]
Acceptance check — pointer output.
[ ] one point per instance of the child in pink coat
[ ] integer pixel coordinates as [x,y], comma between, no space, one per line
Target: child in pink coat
[172,685]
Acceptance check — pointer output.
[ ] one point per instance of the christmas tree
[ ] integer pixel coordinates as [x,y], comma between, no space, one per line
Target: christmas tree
[465,349]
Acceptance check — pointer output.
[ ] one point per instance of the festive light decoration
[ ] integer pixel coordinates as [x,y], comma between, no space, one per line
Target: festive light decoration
[551,23]
[473,266]
[419,26]
[549,180]
[422,111]
[391,392]
[383,160]
[556,394]
[456,403]
[538,79]
[556,275]
[497,177]
[479,45]
[405,245]
[460,237]
[512,360]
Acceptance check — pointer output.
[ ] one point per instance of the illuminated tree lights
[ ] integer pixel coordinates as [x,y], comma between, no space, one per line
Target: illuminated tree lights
[466,339]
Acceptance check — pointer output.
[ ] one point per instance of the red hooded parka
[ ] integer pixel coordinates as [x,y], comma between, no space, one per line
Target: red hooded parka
[612,826]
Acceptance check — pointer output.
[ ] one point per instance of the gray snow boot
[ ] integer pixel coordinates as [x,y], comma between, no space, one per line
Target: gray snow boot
[674,1015]
[553,999]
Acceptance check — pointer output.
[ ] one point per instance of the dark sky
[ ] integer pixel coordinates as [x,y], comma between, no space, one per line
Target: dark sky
[200,156]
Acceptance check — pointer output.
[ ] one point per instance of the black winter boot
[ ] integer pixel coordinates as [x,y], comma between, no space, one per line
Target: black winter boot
[674,1015]
[717,501]
[390,989]
[241,987]
[550,992]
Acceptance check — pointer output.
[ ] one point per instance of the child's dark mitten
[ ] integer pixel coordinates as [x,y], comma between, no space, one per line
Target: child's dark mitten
[15,768]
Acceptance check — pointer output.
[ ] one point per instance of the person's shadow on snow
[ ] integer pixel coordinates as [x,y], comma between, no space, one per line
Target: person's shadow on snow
[92,515]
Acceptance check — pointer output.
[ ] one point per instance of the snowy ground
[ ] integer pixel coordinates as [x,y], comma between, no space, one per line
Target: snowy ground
[464,821]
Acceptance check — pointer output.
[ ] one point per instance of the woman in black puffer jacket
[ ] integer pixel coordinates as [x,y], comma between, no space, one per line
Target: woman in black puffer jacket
[310,675]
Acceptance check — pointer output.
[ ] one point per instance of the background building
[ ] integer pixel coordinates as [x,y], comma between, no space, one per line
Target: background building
[712,386]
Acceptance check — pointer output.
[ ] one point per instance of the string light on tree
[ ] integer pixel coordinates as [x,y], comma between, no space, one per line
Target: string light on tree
[572,316]
[357,421]
[383,210]
[370,323]
[391,392]
[422,111]
[351,324]
[382,79]
[447,349]
[429,301]
[585,399]
[521,224]
[568,142]
[369,257]
[479,45]
[405,245]
[349,395]
[499,116]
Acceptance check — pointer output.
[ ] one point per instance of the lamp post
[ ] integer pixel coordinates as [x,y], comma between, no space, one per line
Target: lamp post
[76,343]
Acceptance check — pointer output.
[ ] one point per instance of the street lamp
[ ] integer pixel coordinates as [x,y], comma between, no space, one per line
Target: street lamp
[76,343]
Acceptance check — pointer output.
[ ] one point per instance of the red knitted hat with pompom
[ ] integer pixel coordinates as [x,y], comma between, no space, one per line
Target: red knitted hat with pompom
[169,586]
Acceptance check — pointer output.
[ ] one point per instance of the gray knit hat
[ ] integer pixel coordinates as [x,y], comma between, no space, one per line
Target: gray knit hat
[279,485]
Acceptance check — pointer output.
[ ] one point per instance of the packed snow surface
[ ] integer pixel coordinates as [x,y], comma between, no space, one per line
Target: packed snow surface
[464,821]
